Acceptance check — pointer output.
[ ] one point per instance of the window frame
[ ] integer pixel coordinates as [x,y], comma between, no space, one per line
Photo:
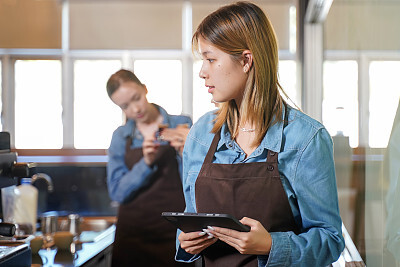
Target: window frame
[363,59]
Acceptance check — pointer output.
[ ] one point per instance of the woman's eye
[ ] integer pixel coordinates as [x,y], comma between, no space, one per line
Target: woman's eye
[210,60]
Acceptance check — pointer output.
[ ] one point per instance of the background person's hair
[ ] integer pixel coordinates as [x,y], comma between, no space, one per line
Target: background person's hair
[118,78]
[233,29]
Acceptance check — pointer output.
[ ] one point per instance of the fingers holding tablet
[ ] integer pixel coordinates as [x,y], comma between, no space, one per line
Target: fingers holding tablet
[252,242]
[195,242]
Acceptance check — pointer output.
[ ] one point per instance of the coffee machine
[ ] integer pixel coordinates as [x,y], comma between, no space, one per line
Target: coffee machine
[11,254]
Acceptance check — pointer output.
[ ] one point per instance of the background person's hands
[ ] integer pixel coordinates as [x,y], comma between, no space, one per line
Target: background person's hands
[150,148]
[176,136]
[195,242]
[256,242]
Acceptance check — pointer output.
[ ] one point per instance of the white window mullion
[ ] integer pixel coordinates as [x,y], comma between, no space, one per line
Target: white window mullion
[363,100]
[187,60]
[67,102]
[313,63]
[67,82]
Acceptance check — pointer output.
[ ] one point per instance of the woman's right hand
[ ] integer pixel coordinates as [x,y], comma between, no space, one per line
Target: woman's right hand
[195,242]
[150,148]
[176,136]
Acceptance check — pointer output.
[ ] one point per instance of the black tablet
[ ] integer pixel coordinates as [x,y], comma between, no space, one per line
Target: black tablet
[193,222]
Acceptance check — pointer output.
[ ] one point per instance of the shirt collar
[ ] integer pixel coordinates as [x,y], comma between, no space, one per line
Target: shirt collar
[132,123]
[164,114]
[271,141]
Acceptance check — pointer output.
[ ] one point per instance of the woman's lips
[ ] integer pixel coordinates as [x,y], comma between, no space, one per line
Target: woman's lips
[210,89]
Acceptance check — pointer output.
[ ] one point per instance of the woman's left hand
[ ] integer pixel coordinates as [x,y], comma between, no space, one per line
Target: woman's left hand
[256,242]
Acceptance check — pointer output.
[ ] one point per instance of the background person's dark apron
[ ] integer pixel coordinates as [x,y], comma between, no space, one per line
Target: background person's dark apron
[253,190]
[143,237]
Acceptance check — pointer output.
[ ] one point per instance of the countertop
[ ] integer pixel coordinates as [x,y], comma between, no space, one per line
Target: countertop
[81,253]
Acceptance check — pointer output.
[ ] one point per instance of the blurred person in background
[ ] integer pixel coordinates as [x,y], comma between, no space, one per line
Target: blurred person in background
[144,174]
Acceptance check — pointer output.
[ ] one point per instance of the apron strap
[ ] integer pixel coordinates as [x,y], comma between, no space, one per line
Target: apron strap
[285,123]
[213,148]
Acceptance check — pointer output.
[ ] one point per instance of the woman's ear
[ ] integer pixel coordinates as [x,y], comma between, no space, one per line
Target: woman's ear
[145,89]
[247,60]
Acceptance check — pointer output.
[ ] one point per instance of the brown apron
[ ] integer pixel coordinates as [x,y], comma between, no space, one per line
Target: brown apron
[250,189]
[143,237]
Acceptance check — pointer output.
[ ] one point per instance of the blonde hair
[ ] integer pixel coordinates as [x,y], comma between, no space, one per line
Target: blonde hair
[233,29]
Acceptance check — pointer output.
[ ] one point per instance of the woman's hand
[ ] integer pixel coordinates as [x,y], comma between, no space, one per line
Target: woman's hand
[195,242]
[256,242]
[176,136]
[150,148]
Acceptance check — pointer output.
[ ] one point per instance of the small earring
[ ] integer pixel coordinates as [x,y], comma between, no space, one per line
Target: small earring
[245,69]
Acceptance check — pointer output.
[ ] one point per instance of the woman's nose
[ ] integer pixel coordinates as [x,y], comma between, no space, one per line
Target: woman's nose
[133,108]
[202,73]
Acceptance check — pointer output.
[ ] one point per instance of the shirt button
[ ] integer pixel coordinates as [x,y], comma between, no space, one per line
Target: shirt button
[270,168]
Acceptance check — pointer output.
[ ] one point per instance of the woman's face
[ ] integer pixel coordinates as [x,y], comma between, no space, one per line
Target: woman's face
[224,77]
[131,98]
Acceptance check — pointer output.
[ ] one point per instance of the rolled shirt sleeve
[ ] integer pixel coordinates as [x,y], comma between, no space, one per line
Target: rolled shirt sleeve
[314,185]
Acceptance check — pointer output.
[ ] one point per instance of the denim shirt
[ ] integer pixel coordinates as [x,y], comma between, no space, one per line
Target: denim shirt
[307,173]
[124,183]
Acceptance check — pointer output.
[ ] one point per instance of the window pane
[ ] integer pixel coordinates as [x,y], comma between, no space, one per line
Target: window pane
[95,115]
[163,79]
[287,79]
[384,99]
[201,97]
[38,111]
[339,113]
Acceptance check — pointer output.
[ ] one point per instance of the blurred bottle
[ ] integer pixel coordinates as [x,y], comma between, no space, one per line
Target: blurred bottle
[25,214]
[9,196]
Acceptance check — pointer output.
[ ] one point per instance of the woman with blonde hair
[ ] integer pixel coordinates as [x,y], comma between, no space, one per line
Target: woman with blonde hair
[256,157]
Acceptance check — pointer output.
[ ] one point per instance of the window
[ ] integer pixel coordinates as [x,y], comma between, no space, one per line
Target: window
[95,115]
[163,79]
[38,110]
[340,99]
[384,90]
[287,79]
